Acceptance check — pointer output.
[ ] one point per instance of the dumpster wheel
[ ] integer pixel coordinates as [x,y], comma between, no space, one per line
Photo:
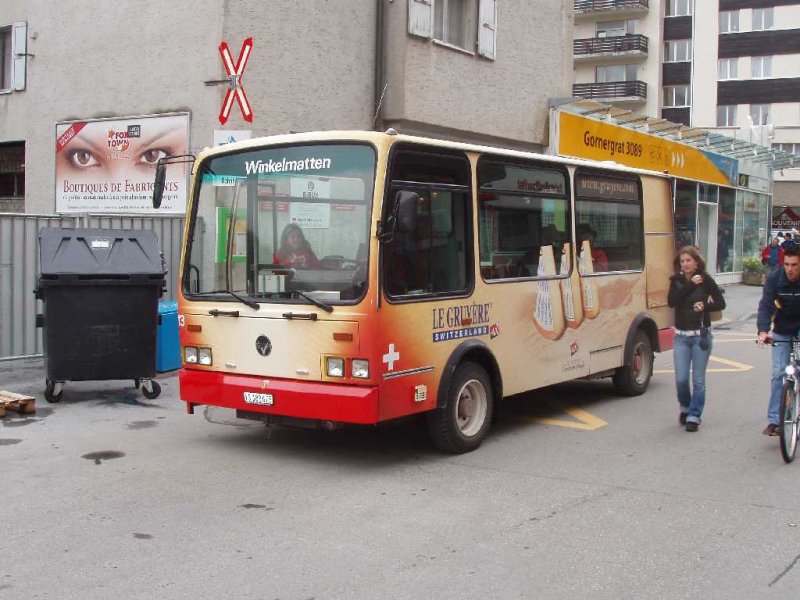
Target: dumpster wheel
[50,393]
[151,389]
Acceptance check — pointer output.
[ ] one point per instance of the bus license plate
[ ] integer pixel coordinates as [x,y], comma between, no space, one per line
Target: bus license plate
[260,399]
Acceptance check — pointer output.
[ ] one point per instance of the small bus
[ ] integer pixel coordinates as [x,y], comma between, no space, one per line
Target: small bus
[357,277]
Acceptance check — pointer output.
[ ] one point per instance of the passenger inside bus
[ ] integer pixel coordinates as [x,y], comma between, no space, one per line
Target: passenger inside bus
[295,251]
[585,232]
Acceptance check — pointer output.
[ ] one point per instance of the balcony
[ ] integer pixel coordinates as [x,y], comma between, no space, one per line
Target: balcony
[613,91]
[622,8]
[604,47]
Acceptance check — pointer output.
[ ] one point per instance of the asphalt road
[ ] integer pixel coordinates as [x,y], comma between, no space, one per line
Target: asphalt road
[577,493]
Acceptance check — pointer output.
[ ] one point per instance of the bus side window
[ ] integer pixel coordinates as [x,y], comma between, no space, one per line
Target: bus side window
[608,208]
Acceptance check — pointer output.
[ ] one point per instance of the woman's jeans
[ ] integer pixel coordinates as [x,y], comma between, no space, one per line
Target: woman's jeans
[780,359]
[687,355]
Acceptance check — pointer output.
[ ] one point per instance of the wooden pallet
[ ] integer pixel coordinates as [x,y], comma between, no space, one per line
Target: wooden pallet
[24,405]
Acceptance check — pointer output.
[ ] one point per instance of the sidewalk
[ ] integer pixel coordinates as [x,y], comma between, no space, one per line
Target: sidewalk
[741,305]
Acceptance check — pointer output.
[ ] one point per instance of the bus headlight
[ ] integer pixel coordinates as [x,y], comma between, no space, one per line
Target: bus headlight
[334,366]
[190,354]
[789,370]
[360,368]
[204,356]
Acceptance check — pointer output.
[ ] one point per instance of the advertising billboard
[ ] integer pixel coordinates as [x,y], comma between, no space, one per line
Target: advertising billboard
[108,165]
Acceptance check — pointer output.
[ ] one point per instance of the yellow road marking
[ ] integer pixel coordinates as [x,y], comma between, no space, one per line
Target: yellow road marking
[584,420]
[735,366]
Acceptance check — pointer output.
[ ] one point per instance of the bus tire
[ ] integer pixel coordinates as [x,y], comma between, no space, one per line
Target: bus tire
[463,423]
[633,377]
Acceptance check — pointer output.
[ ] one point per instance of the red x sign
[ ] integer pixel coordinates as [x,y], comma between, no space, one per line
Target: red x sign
[235,75]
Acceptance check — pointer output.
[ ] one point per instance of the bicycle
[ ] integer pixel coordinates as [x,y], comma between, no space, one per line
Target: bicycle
[789,423]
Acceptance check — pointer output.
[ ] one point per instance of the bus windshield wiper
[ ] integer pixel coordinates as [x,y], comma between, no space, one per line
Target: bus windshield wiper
[245,301]
[318,303]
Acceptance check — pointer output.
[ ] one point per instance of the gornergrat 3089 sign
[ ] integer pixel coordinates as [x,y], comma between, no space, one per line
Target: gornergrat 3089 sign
[108,165]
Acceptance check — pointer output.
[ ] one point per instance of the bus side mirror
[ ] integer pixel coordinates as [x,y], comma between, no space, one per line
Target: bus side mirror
[402,218]
[158,188]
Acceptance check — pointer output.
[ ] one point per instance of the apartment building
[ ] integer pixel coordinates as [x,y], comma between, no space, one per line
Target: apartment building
[746,80]
[467,70]
[727,66]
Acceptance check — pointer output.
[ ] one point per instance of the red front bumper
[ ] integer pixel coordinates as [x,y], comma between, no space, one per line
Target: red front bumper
[300,399]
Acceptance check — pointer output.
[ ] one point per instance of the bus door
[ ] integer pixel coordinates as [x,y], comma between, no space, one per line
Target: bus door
[426,265]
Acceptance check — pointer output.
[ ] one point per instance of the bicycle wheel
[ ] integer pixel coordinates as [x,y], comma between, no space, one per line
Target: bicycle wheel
[788,423]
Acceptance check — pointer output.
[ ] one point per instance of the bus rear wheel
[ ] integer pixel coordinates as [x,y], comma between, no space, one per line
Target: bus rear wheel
[633,377]
[464,421]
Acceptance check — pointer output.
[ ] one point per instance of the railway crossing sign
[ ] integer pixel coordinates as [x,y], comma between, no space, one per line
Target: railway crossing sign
[235,89]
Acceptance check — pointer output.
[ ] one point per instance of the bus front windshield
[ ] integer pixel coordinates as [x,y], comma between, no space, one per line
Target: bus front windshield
[282,224]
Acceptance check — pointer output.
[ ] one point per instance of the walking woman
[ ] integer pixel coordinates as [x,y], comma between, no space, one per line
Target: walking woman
[693,294]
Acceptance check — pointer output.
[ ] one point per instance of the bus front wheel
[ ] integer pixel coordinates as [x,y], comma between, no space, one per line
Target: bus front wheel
[633,377]
[464,421]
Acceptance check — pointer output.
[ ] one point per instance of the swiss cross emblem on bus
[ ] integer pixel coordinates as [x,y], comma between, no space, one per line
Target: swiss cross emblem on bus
[235,89]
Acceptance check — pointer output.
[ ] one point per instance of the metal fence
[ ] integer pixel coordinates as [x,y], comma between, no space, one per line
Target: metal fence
[19,268]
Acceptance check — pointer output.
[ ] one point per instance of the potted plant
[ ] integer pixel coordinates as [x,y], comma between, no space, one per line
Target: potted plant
[752,271]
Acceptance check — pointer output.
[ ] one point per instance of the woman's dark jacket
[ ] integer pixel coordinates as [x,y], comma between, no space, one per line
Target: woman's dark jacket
[682,296]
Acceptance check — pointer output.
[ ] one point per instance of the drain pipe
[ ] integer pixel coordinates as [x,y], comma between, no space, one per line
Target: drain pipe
[380,18]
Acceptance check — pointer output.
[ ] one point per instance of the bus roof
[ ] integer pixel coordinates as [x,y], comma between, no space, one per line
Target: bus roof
[389,137]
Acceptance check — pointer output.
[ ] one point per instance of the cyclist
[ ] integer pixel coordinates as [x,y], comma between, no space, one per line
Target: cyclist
[780,308]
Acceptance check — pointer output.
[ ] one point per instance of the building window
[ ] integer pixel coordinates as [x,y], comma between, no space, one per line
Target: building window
[728,21]
[12,177]
[763,18]
[614,28]
[5,58]
[726,115]
[728,68]
[678,51]
[761,67]
[611,73]
[788,148]
[452,22]
[679,8]
[676,96]
[760,113]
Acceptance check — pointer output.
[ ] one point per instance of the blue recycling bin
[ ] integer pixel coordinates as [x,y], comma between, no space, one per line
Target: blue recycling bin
[168,345]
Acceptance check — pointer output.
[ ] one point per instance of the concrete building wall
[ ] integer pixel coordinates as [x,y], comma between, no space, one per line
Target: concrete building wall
[313,66]
[437,88]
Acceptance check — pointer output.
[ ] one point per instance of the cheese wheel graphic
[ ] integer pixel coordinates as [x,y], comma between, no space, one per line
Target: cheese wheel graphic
[571,291]
[548,310]
[589,291]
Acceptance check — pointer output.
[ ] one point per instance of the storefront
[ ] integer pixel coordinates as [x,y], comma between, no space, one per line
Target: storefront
[721,198]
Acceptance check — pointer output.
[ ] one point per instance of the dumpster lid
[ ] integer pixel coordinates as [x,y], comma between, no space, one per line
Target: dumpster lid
[99,253]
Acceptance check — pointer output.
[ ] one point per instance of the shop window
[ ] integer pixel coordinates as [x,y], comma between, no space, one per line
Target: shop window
[728,68]
[427,255]
[608,215]
[728,21]
[685,213]
[726,115]
[524,212]
[726,228]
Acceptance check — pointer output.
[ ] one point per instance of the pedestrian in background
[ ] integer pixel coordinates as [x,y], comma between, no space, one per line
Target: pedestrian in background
[693,293]
[772,256]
